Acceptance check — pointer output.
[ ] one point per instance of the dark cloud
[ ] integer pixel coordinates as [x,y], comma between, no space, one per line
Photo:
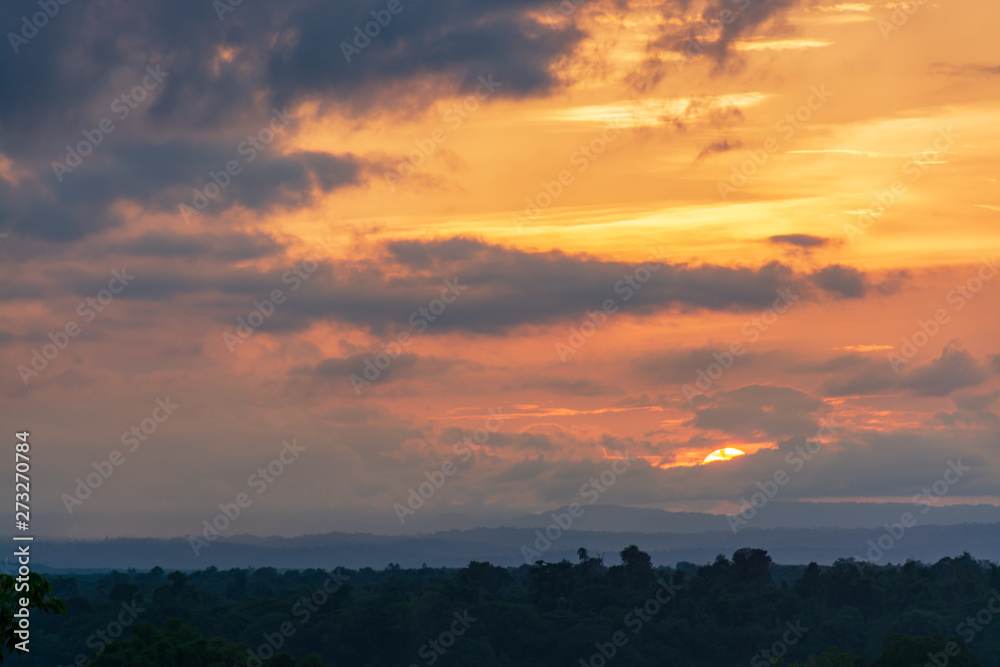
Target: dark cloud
[641,401]
[33,210]
[405,366]
[340,366]
[760,410]
[720,146]
[227,247]
[975,402]
[278,53]
[162,177]
[455,40]
[530,442]
[955,369]
[567,386]
[732,20]
[951,419]
[806,241]
[843,281]
[892,281]
[508,286]
[897,462]
[680,366]
[994,362]
[873,379]
[223,86]
[966,69]
[871,464]
[495,288]
[742,19]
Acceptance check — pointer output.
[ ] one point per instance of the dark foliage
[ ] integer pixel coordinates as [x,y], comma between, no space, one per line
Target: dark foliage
[731,612]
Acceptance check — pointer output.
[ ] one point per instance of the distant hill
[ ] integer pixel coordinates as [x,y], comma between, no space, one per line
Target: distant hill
[776,514]
[503,546]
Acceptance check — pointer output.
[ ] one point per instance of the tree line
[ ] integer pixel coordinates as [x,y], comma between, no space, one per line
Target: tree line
[740,610]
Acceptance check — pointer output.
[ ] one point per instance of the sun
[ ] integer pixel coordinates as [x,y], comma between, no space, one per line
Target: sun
[723,455]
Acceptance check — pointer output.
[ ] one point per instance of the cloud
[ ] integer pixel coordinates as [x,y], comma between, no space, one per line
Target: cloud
[366,375]
[566,285]
[495,288]
[680,366]
[755,411]
[955,369]
[965,69]
[875,378]
[456,41]
[222,88]
[721,25]
[974,402]
[161,177]
[993,360]
[507,287]
[843,281]
[265,54]
[720,146]
[403,366]
[566,386]
[806,241]
[225,247]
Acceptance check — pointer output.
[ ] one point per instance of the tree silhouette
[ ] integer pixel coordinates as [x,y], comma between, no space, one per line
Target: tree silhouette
[638,567]
[39,595]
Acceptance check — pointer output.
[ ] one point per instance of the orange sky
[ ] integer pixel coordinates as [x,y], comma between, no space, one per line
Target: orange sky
[819,148]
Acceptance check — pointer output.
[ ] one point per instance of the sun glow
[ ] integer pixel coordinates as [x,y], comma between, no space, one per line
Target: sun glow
[723,454]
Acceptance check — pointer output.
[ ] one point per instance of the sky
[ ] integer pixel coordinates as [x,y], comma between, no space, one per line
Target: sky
[323,253]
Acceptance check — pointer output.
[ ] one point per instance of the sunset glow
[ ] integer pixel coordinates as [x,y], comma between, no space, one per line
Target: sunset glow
[723,455]
[524,239]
